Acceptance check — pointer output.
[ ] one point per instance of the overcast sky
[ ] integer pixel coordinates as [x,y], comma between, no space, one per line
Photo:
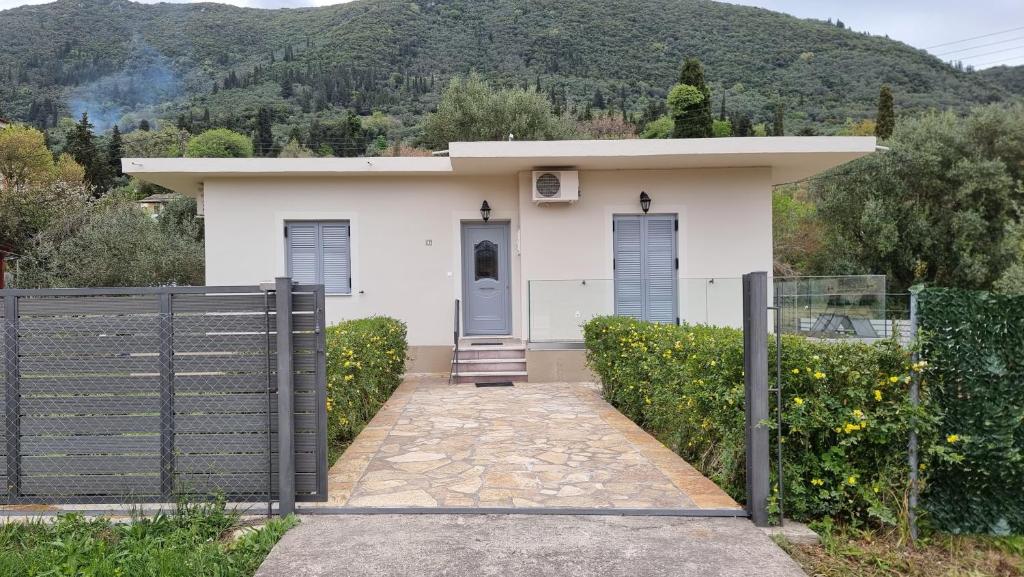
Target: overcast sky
[945,27]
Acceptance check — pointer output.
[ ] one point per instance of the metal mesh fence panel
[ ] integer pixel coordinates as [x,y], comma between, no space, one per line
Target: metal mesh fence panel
[154,395]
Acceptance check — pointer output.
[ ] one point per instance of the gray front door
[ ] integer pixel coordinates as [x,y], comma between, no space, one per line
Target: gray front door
[486,282]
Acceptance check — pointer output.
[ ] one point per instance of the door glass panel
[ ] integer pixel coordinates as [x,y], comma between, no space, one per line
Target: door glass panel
[485,258]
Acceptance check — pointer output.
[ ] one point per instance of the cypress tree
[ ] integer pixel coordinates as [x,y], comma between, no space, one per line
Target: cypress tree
[777,122]
[82,147]
[696,119]
[885,122]
[144,125]
[721,113]
[115,150]
[744,127]
[264,135]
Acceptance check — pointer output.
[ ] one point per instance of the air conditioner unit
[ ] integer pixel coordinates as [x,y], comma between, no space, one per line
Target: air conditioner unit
[556,186]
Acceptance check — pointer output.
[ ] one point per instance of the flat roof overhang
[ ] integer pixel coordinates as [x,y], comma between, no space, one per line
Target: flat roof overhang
[790,158]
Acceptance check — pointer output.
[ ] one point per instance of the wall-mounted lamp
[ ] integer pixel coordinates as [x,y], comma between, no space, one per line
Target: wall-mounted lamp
[645,202]
[485,211]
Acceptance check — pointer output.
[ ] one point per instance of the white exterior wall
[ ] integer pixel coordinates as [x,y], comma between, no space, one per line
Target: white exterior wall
[724,231]
[394,272]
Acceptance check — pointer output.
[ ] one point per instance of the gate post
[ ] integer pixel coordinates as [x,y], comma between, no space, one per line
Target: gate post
[165,329]
[755,381]
[285,398]
[12,397]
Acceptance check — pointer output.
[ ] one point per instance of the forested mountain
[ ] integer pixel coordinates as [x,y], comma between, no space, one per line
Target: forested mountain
[1011,78]
[215,65]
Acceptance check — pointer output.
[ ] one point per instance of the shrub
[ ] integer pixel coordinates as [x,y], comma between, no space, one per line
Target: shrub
[365,363]
[660,127]
[973,343]
[845,411]
[219,143]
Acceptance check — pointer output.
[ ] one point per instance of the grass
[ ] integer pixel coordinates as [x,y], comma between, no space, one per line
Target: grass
[195,540]
[855,553]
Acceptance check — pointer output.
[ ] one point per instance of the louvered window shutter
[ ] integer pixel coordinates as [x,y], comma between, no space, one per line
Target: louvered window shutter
[320,253]
[660,266]
[628,247]
[303,252]
[337,271]
[645,267]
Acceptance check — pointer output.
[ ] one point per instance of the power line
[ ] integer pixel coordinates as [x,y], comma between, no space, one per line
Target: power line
[1001,61]
[991,53]
[974,38]
[980,46]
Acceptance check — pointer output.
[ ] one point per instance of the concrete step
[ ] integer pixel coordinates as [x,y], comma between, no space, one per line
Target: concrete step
[491,365]
[491,377]
[490,352]
[468,341]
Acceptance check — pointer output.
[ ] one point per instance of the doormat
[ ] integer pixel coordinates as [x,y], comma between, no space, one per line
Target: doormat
[501,384]
[484,344]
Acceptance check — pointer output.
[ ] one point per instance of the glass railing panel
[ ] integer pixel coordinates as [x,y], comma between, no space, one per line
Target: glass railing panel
[560,308]
[711,301]
[857,306]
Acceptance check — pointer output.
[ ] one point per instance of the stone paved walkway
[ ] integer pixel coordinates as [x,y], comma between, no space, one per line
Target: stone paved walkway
[531,445]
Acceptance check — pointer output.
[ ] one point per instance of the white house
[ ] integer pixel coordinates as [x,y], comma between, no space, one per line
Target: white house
[569,234]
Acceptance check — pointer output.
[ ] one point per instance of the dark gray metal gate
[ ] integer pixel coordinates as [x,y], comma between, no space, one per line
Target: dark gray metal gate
[134,395]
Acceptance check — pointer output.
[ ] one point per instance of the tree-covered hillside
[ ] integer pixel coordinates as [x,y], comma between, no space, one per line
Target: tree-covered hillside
[216,65]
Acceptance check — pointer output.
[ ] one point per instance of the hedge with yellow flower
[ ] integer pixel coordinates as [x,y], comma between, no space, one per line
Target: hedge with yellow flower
[365,363]
[846,414]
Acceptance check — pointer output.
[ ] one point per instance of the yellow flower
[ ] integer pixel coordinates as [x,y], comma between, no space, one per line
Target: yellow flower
[796,371]
[894,379]
[851,480]
[349,377]
[798,401]
[952,438]
[819,375]
[713,363]
[850,427]
[878,395]
[817,482]
[858,414]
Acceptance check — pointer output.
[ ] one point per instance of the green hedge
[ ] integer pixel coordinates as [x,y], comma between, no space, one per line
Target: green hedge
[846,414]
[974,344]
[365,363]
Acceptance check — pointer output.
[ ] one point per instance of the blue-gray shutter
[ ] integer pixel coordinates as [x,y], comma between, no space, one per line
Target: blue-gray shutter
[319,253]
[628,253]
[645,267]
[303,251]
[337,270]
[660,268]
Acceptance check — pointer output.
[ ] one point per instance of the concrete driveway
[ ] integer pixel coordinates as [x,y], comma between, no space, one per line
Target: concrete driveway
[502,545]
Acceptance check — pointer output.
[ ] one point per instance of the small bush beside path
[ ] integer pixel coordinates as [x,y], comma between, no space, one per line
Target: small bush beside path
[365,364]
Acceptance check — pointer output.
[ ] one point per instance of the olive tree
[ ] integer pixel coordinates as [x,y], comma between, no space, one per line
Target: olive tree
[937,207]
[470,110]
